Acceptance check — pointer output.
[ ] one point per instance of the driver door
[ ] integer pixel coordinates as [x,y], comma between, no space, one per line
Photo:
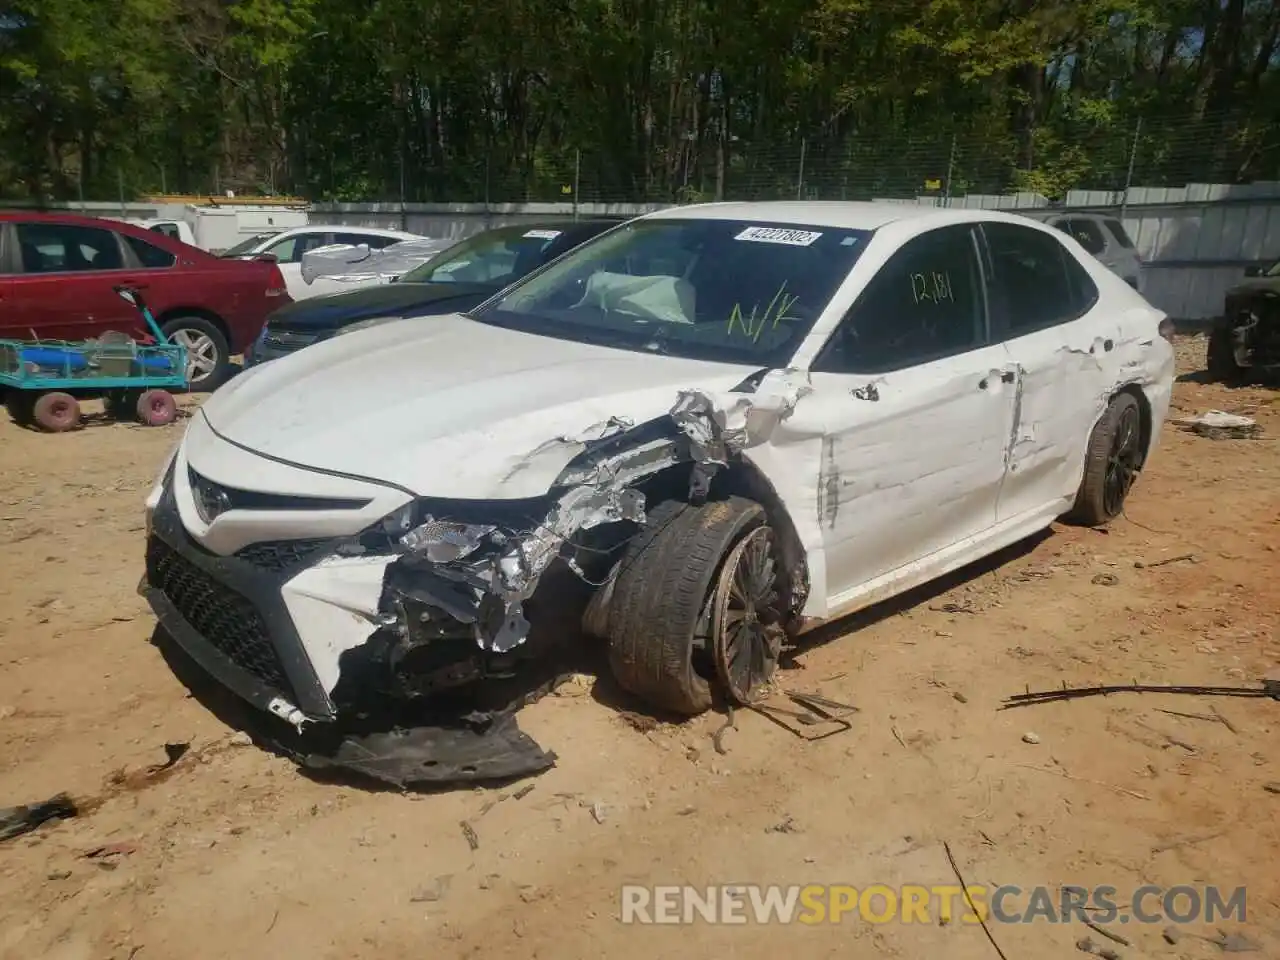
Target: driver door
[918,405]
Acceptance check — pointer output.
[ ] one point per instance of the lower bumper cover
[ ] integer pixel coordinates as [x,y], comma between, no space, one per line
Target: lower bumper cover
[228,616]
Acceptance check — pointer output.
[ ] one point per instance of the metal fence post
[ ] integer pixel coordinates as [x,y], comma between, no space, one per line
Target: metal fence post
[1128,177]
[120,189]
[577,179]
[951,165]
[804,143]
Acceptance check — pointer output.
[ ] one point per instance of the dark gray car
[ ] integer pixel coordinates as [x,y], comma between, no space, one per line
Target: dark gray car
[456,280]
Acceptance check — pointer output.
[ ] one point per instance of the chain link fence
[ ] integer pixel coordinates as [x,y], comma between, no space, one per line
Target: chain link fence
[1088,152]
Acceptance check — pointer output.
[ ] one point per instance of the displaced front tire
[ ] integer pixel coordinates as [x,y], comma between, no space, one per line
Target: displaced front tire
[1112,461]
[660,614]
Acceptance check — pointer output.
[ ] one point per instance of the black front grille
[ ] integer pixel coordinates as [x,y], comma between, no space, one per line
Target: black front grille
[278,556]
[221,616]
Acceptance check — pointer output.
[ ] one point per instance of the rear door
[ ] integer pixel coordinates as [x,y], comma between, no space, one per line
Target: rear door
[1061,339]
[63,285]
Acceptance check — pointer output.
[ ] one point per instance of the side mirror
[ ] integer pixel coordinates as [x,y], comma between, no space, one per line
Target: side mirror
[1253,271]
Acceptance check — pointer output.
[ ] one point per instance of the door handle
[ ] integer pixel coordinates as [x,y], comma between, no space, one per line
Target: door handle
[1107,345]
[1008,376]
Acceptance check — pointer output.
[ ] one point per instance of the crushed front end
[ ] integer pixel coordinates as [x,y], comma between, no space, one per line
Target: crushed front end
[393,632]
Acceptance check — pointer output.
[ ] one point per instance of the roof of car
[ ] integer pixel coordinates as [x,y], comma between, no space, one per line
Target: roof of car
[842,214]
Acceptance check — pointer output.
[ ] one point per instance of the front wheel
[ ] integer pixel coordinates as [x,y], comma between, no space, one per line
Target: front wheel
[696,599]
[208,355]
[1112,462]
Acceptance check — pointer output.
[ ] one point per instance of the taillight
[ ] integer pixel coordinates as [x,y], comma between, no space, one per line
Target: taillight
[1166,329]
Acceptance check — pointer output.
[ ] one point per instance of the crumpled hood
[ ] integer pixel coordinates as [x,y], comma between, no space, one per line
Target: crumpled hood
[385,300]
[454,408]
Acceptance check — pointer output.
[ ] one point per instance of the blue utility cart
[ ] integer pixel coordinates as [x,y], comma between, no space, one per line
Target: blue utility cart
[44,380]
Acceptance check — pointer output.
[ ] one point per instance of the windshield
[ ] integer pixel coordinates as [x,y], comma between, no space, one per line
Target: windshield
[1273,270]
[246,246]
[494,258]
[734,291]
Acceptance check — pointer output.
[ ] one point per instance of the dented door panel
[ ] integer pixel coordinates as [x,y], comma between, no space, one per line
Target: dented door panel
[1066,375]
[914,471]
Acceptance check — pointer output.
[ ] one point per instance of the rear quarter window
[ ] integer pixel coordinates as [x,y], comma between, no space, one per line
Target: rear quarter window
[148,254]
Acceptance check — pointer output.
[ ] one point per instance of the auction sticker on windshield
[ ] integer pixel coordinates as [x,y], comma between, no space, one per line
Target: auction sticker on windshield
[792,238]
[542,234]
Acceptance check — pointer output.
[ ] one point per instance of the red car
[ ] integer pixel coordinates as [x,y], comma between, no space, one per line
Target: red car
[57,272]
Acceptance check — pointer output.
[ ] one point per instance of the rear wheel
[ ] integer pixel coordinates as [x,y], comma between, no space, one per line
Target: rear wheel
[56,412]
[675,611]
[208,355]
[1113,460]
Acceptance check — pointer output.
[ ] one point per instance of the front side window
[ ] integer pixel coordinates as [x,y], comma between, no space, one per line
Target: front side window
[1040,283]
[1087,233]
[292,249]
[494,258]
[733,291]
[61,248]
[925,303]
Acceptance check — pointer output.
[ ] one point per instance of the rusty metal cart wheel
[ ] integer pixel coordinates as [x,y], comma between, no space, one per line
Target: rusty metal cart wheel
[156,408]
[56,412]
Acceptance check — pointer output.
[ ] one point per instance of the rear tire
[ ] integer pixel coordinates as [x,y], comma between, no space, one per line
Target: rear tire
[56,412]
[660,613]
[1112,462]
[208,354]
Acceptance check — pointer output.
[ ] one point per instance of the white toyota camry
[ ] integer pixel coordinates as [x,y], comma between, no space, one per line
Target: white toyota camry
[732,421]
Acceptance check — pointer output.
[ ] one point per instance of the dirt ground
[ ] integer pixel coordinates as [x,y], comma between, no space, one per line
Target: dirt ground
[234,853]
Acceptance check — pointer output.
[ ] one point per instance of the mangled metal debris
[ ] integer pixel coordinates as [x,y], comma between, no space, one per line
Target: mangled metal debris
[480,575]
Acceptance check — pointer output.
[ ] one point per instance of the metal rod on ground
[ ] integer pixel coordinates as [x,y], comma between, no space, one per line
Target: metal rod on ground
[577,179]
[804,143]
[951,164]
[1128,177]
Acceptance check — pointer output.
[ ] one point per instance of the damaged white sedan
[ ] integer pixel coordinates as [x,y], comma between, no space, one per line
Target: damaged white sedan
[726,423]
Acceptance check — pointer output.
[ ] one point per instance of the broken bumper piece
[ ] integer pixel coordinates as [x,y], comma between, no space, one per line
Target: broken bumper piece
[494,749]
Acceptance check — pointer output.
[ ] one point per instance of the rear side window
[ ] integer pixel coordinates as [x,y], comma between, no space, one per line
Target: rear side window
[62,248]
[148,254]
[925,303]
[1116,229]
[1037,281]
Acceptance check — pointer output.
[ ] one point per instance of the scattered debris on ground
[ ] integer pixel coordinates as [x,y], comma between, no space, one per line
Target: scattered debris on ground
[15,821]
[1266,689]
[1219,425]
